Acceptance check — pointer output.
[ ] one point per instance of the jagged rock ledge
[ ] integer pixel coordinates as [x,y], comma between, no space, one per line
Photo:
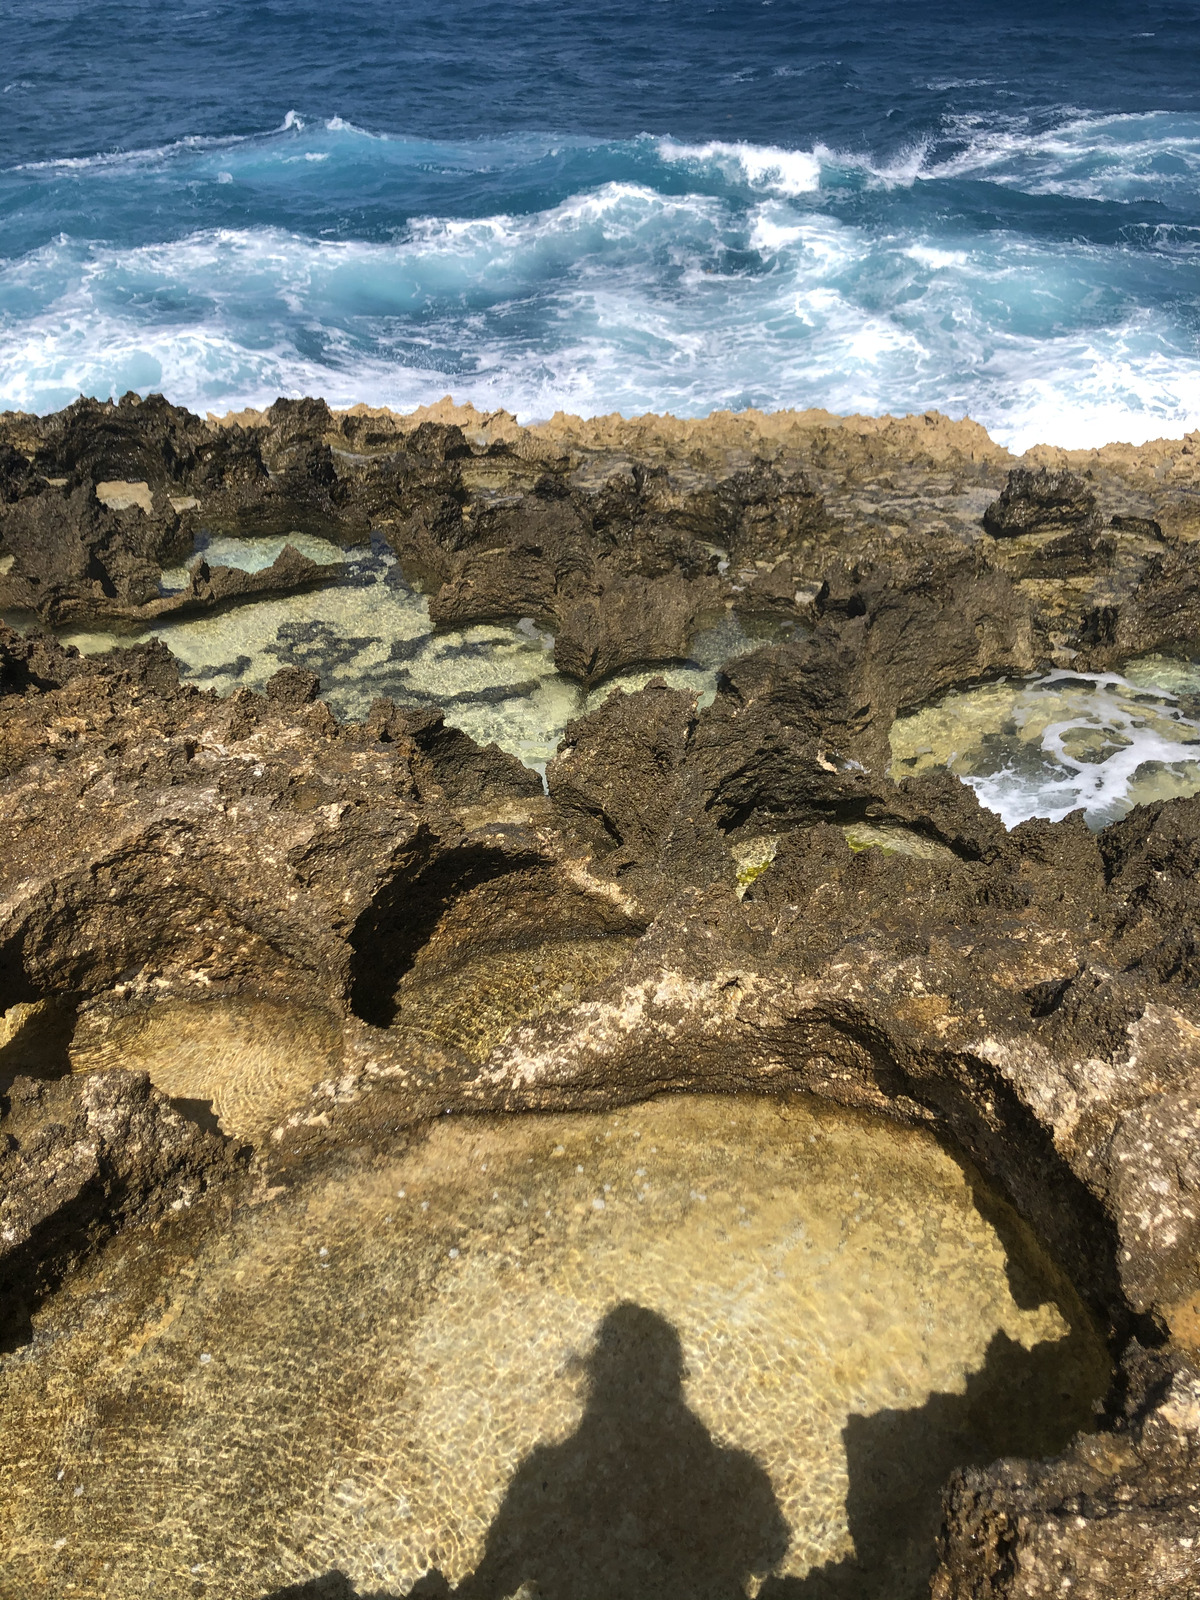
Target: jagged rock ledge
[1032,994]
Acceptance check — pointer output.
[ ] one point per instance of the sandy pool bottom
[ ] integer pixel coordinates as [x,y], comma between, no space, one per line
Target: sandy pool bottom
[697,1347]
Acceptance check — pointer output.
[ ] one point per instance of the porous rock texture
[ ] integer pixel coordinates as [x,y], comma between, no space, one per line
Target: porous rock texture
[1032,994]
[81,1159]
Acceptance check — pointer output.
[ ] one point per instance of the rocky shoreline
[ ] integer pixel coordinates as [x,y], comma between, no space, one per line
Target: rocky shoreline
[1031,995]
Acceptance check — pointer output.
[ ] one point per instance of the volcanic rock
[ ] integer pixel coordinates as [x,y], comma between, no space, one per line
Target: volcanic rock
[81,1158]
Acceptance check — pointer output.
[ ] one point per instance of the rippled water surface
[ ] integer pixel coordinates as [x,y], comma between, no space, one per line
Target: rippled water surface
[612,206]
[1043,747]
[370,635]
[671,1350]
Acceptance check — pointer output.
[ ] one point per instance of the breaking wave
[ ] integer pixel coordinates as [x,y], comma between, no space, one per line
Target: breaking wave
[1039,279]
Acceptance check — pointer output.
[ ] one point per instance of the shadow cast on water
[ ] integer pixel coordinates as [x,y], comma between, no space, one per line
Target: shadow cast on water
[1019,1403]
[641,1501]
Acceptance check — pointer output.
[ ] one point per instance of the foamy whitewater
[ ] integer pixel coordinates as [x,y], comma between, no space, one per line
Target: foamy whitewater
[1099,743]
[857,238]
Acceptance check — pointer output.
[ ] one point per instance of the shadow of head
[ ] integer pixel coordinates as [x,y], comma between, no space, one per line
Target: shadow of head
[640,1499]
[634,1347]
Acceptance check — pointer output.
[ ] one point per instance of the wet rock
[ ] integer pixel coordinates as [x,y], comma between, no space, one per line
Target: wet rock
[211,587]
[1039,501]
[75,558]
[132,441]
[292,687]
[622,766]
[618,538]
[446,763]
[1048,525]
[785,738]
[632,620]
[80,1158]
[621,560]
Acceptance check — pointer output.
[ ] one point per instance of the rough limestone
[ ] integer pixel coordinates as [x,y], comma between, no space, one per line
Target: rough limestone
[1033,995]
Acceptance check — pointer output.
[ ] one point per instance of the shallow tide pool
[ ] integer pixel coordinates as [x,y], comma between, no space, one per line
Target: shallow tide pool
[369,634]
[1102,742]
[696,1347]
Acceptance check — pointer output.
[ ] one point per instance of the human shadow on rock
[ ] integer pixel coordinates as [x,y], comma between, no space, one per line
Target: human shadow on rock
[641,1503]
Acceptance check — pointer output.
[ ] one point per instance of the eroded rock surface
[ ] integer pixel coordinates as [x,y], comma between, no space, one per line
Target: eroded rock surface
[618,535]
[1115,1515]
[81,1158]
[728,898]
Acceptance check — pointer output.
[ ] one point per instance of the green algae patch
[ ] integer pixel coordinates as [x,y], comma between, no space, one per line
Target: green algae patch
[751,858]
[895,841]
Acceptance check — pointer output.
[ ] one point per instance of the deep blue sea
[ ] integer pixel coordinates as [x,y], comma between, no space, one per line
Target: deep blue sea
[989,209]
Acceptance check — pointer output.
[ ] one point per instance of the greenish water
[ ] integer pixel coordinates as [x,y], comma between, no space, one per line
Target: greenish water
[1102,742]
[369,635]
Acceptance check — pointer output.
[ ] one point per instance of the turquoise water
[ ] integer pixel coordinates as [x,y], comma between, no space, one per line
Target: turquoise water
[608,207]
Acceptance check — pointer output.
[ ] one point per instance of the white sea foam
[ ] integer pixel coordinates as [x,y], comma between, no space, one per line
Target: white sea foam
[770,234]
[150,156]
[340,125]
[756,288]
[789,172]
[632,308]
[155,155]
[1067,741]
[941,85]
[1120,157]
[927,255]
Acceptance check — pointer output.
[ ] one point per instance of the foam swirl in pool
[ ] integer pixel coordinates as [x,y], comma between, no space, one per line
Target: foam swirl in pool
[1099,742]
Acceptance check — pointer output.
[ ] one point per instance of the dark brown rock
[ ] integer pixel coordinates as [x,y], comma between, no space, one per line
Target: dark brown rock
[1113,1517]
[1035,995]
[622,766]
[631,620]
[80,1158]
[1038,501]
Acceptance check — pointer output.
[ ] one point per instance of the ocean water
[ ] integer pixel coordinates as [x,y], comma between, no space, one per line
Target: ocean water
[608,206]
